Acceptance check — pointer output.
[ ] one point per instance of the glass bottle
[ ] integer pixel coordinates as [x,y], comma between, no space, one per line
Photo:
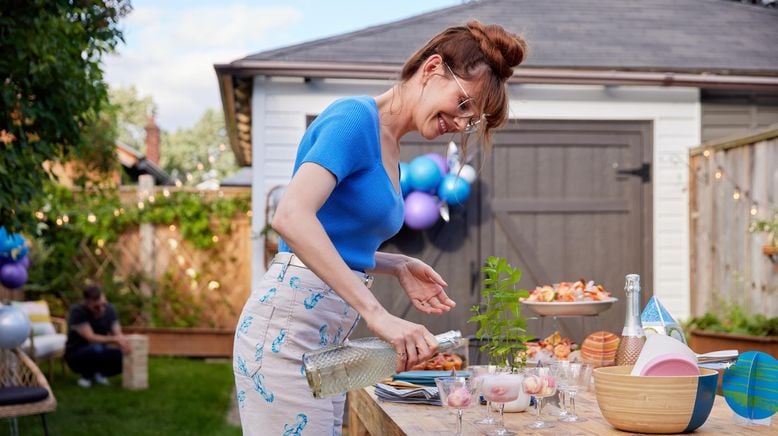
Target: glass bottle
[632,336]
[338,369]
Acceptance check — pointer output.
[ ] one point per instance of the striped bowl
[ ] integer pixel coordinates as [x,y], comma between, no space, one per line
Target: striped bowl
[645,404]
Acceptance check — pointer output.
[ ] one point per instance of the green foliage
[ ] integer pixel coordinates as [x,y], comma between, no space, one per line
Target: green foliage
[769,226]
[202,144]
[500,324]
[185,397]
[52,93]
[733,319]
[132,116]
[96,218]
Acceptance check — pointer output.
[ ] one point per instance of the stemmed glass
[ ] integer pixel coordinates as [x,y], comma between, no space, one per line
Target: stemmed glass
[457,393]
[480,372]
[501,388]
[562,368]
[541,383]
[579,375]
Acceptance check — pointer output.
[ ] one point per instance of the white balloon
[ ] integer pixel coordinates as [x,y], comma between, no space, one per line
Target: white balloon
[467,173]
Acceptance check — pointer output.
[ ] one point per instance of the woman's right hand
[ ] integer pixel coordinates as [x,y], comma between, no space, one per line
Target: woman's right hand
[412,342]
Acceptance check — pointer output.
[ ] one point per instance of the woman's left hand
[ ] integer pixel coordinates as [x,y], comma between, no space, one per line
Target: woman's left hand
[424,287]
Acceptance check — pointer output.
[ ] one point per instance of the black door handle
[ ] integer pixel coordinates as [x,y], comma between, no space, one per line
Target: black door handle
[643,171]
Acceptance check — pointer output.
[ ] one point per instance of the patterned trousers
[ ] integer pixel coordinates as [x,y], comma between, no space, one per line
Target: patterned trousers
[292,312]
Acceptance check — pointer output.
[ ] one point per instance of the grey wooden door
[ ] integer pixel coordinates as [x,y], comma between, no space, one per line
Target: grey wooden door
[556,206]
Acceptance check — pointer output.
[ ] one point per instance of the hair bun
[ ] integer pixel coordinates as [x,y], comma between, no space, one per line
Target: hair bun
[502,49]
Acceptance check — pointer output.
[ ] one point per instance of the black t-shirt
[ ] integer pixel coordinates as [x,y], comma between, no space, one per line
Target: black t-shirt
[79,314]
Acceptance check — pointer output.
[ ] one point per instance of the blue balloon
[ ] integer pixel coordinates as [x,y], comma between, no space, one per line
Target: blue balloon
[454,190]
[424,174]
[14,327]
[405,180]
[6,243]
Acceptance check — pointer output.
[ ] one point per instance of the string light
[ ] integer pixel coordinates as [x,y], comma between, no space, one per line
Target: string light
[166,192]
[91,218]
[213,284]
[141,205]
[215,239]
[736,194]
[754,209]
[200,166]
[706,153]
[222,147]
[65,219]
[152,199]
[249,213]
[178,183]
[39,215]
[718,175]
[59,221]
[116,212]
[172,227]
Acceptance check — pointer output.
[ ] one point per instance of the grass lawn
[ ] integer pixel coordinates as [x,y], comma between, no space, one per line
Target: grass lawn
[185,397]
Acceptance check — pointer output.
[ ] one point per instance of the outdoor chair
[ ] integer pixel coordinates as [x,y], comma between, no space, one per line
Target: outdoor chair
[23,389]
[47,335]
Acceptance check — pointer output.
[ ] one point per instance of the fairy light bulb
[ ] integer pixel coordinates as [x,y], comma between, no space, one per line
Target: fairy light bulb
[166,192]
[754,210]
[178,183]
[39,215]
[200,166]
[736,195]
[91,218]
[141,205]
[718,175]
[116,212]
[65,219]
[172,227]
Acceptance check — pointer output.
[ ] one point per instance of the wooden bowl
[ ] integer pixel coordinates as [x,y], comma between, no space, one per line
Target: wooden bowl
[654,404]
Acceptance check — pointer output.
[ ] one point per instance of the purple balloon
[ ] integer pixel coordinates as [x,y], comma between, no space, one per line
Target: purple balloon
[421,210]
[13,275]
[25,262]
[440,161]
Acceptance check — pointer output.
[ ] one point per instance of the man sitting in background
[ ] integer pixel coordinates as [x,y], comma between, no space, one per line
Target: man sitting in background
[93,330]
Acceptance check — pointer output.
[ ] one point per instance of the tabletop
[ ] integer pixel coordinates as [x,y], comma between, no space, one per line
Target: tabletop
[370,416]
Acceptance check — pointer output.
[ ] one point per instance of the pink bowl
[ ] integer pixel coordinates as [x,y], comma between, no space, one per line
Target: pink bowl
[671,365]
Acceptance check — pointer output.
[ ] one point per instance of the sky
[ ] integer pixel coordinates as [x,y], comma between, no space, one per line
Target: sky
[171,45]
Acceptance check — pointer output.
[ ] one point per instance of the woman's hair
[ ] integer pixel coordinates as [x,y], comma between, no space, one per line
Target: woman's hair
[475,50]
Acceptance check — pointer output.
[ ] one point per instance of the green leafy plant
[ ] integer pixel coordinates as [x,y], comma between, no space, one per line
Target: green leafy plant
[734,319]
[767,225]
[501,328]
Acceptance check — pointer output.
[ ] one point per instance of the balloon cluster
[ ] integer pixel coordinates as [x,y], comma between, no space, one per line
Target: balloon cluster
[431,183]
[13,259]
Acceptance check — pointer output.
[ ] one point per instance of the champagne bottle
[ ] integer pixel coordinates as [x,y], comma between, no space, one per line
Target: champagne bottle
[632,336]
[338,369]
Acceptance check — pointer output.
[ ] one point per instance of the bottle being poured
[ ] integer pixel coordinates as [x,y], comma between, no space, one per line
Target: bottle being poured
[337,369]
[632,336]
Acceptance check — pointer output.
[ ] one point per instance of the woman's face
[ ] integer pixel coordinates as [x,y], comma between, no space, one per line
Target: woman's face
[447,102]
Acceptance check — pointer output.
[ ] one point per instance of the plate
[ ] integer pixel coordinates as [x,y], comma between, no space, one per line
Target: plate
[572,308]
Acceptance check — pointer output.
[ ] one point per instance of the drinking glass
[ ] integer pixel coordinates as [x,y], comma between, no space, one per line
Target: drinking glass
[479,372]
[456,393]
[501,388]
[562,368]
[579,376]
[541,383]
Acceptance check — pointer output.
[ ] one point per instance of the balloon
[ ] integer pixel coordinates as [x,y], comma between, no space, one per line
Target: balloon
[454,190]
[467,172]
[14,327]
[25,262]
[13,275]
[421,210]
[440,161]
[424,174]
[405,179]
[6,243]
[13,246]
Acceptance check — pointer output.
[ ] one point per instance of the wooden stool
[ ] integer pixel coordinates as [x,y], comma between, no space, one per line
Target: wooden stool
[135,371]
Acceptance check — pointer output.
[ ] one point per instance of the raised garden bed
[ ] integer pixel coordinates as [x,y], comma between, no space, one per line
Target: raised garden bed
[186,342]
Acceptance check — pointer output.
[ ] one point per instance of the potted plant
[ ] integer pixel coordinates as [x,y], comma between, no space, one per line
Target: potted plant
[501,328]
[733,328]
[770,226]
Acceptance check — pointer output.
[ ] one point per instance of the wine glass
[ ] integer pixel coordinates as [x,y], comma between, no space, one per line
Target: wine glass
[541,383]
[562,368]
[457,393]
[501,388]
[479,372]
[579,375]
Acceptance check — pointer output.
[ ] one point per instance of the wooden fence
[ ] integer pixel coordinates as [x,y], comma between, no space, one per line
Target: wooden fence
[732,183]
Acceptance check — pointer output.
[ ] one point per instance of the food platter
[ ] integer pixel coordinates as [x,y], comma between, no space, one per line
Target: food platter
[573,308]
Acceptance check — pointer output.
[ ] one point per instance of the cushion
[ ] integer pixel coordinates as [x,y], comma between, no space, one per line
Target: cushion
[38,312]
[46,344]
[21,395]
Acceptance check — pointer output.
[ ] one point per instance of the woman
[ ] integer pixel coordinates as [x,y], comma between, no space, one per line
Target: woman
[343,201]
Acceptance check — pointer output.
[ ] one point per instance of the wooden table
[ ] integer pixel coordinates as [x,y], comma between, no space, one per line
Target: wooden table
[370,416]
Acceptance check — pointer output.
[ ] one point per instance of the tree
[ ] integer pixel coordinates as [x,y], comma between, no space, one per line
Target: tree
[52,93]
[132,116]
[199,150]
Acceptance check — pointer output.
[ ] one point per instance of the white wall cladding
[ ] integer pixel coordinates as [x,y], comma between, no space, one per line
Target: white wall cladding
[280,108]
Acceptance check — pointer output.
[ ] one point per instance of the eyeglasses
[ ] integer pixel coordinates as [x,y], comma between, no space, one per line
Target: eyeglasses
[466,109]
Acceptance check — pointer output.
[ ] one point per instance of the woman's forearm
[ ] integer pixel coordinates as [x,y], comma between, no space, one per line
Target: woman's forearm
[389,263]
